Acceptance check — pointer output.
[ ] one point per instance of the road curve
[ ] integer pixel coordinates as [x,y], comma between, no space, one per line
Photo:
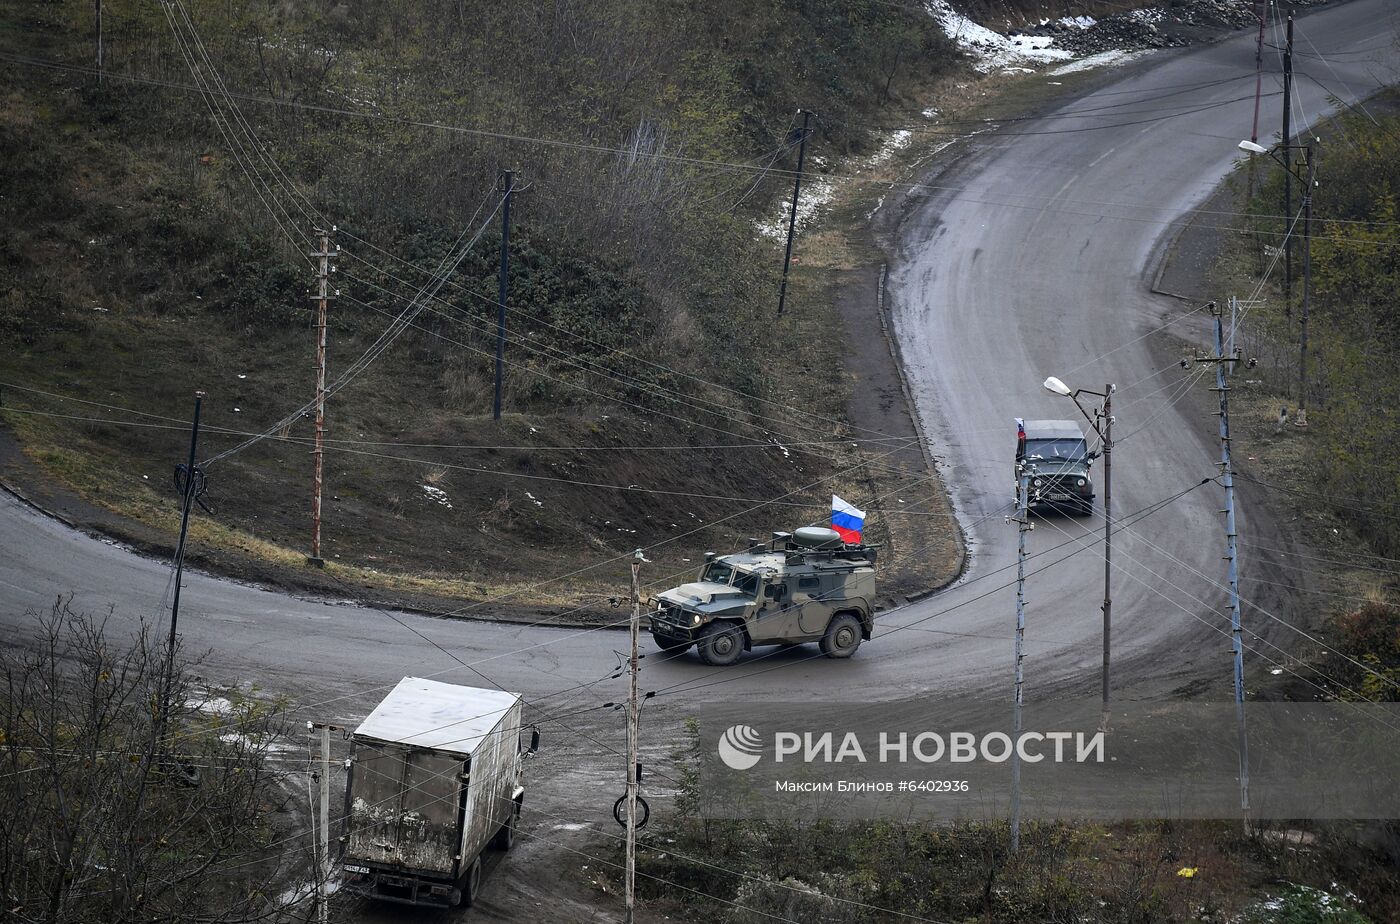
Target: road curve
[1032,263]
[1036,260]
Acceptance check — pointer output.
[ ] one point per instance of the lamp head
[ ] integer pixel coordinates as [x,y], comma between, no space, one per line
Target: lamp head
[1253,148]
[1058,387]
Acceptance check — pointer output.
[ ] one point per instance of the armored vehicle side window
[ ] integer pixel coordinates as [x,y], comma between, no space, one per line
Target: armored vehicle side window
[747,584]
[719,572]
[808,583]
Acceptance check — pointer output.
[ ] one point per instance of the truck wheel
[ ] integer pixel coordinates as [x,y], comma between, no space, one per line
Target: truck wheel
[842,636]
[505,837]
[471,884]
[720,644]
[671,645]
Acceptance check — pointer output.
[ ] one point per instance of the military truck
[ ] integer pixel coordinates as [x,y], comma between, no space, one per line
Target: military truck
[804,586]
[1057,458]
[436,777]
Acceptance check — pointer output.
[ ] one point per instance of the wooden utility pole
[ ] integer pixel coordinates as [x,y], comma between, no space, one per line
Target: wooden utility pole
[635,629]
[1302,420]
[97,28]
[190,480]
[1288,172]
[323,846]
[1023,526]
[322,297]
[792,215]
[503,285]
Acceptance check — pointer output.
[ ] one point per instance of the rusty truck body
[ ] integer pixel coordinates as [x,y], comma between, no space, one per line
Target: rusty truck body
[435,778]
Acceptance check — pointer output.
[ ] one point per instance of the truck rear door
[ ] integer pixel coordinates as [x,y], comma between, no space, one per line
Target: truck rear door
[406,807]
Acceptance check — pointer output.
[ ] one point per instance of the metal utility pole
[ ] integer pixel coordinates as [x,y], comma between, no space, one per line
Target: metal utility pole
[1263,7]
[1023,526]
[323,860]
[322,297]
[1107,436]
[1102,422]
[792,215]
[1227,480]
[1258,73]
[503,286]
[634,629]
[190,488]
[1302,420]
[1288,173]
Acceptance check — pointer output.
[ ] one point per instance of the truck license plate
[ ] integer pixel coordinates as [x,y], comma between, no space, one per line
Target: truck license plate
[356,869]
[1059,497]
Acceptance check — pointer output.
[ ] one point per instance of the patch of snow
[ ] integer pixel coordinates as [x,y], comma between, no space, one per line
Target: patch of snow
[893,145]
[537,501]
[1075,22]
[1113,58]
[992,50]
[816,192]
[930,113]
[436,494]
[215,704]
[1149,15]
[571,826]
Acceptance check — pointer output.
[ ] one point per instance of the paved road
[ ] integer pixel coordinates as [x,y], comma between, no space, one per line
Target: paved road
[1035,260]
[1032,261]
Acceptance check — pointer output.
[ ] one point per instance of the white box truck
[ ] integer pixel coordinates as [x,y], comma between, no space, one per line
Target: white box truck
[435,777]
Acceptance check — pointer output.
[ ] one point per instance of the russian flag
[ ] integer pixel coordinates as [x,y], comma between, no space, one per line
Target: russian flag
[846,520]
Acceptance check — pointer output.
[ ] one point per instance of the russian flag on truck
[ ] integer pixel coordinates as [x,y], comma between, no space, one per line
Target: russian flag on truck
[846,520]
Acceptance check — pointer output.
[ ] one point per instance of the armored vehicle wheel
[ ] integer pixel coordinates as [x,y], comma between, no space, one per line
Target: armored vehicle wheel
[842,636]
[720,644]
[671,645]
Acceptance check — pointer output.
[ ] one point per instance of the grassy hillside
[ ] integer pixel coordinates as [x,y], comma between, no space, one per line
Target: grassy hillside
[1353,379]
[156,243]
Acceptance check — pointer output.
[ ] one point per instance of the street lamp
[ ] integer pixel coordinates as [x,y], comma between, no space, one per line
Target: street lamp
[1310,183]
[1102,422]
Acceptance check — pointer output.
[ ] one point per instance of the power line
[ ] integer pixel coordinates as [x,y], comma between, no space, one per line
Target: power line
[603,149]
[400,324]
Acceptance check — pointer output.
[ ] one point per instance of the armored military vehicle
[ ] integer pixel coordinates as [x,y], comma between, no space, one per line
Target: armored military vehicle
[804,586]
[1057,458]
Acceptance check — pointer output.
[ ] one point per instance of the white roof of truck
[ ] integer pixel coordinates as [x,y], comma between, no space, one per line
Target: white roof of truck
[439,716]
[1053,430]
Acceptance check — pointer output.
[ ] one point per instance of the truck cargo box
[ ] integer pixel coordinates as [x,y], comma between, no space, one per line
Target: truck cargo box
[434,778]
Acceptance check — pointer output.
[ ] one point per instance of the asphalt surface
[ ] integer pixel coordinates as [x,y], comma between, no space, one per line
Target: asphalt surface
[1033,257]
[1036,258]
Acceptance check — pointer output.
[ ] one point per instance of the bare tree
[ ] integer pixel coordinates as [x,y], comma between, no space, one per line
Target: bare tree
[110,818]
